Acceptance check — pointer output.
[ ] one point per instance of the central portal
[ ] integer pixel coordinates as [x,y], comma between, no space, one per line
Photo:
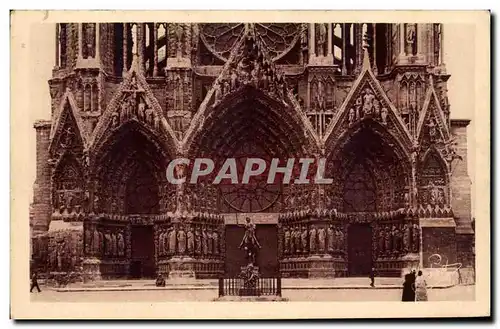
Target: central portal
[360,249]
[142,263]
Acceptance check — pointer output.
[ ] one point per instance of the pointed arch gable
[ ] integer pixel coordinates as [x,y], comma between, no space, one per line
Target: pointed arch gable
[433,107]
[376,127]
[216,98]
[266,116]
[101,150]
[433,178]
[68,110]
[365,80]
[432,151]
[134,81]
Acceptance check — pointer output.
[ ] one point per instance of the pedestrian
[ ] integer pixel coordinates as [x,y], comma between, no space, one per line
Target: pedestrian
[372,277]
[160,281]
[34,282]
[408,287]
[420,288]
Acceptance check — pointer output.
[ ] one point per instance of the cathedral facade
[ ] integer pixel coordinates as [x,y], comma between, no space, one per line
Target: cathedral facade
[371,99]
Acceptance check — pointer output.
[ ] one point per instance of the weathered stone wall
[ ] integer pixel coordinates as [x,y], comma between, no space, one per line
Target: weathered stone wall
[181,92]
[441,241]
[41,206]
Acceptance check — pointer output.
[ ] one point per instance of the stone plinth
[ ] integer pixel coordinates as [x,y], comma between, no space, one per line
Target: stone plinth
[321,60]
[181,275]
[321,266]
[410,262]
[181,268]
[91,269]
[250,299]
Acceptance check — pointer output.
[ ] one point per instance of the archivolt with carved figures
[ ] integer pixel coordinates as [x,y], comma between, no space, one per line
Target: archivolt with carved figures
[371,172]
[129,167]
[249,124]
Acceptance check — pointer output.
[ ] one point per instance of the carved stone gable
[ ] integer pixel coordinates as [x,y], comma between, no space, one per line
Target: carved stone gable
[249,66]
[133,101]
[368,101]
[135,106]
[432,127]
[367,104]
[68,133]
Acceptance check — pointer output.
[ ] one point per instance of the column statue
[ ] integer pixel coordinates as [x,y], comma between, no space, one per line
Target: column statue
[190,241]
[410,39]
[210,243]
[181,240]
[388,240]
[341,240]
[321,240]
[215,237]
[381,241]
[312,240]
[303,238]
[395,238]
[330,238]
[416,238]
[161,243]
[95,242]
[121,245]
[292,240]
[321,39]
[101,243]
[172,240]
[197,241]
[88,241]
[114,244]
[204,242]
[286,244]
[406,238]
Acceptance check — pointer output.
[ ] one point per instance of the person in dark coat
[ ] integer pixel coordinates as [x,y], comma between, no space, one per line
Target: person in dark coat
[409,287]
[372,277]
[160,281]
[34,282]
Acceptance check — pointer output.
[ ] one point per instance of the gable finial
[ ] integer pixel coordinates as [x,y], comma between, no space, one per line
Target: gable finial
[366,59]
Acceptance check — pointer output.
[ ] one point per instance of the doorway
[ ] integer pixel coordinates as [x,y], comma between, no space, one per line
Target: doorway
[359,245]
[142,262]
[267,256]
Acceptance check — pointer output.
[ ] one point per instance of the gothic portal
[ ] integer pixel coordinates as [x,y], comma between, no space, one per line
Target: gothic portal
[127,98]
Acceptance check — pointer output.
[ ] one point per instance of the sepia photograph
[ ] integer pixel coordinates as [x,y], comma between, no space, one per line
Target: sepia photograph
[214,157]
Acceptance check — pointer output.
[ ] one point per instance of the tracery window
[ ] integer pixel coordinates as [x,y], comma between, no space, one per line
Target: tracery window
[277,38]
[221,38]
[257,195]
[142,193]
[359,190]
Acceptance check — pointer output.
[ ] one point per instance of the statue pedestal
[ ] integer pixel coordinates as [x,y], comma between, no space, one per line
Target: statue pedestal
[410,262]
[321,60]
[181,268]
[181,275]
[91,269]
[321,266]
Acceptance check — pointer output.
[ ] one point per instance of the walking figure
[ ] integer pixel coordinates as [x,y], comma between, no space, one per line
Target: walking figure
[420,288]
[372,277]
[34,283]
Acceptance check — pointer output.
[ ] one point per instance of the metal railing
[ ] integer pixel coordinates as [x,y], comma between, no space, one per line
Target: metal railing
[260,287]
